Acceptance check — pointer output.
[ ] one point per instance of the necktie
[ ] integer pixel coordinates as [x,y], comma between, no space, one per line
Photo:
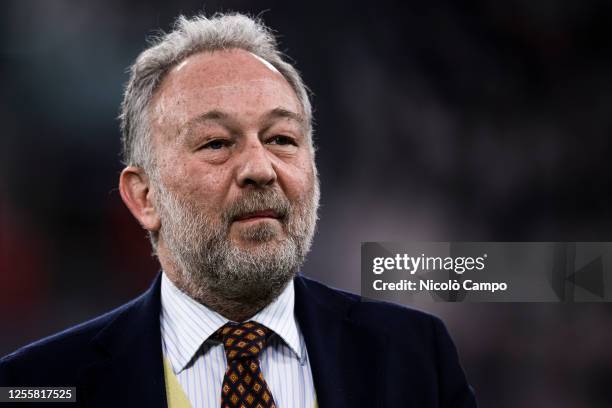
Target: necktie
[243,383]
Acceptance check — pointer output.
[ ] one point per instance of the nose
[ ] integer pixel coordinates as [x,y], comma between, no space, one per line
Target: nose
[256,168]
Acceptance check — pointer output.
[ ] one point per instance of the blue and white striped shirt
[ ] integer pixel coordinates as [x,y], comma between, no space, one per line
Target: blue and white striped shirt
[199,363]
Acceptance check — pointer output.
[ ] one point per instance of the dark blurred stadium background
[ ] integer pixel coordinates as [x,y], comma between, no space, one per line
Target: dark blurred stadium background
[436,120]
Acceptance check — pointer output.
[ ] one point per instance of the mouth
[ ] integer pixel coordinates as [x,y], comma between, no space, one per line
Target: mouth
[257,216]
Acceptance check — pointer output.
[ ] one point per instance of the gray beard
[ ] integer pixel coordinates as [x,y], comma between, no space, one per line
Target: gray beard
[213,270]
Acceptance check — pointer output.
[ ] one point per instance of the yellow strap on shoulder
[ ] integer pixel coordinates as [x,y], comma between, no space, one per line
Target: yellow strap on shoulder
[174,392]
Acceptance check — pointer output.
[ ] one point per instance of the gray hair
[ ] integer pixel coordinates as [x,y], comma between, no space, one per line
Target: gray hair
[190,36]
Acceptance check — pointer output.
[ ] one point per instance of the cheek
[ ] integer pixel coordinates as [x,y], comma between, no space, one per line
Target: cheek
[202,185]
[299,181]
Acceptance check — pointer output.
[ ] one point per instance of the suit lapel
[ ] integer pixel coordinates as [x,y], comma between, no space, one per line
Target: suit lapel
[346,358]
[128,370]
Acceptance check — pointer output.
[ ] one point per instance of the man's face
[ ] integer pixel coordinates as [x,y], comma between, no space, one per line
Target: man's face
[236,184]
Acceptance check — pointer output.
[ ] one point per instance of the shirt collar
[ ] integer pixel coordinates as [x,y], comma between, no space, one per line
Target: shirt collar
[186,324]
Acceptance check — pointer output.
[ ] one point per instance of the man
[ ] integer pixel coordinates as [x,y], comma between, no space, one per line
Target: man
[217,139]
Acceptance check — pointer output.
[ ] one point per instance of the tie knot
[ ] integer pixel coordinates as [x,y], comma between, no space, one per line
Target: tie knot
[243,340]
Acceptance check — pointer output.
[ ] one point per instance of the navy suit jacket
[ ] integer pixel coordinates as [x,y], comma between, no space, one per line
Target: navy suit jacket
[362,354]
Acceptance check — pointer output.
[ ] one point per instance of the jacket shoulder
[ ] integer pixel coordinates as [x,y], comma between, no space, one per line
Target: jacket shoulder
[58,357]
[375,314]
[410,335]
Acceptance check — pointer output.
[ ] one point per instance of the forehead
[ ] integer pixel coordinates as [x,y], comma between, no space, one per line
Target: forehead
[233,81]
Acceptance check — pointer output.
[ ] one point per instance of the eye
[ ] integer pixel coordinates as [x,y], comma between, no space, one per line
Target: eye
[281,140]
[216,144]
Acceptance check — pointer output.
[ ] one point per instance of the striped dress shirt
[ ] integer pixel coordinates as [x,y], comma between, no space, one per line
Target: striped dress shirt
[199,362]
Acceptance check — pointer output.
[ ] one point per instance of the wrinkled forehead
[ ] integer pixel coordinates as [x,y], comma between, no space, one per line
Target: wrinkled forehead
[235,81]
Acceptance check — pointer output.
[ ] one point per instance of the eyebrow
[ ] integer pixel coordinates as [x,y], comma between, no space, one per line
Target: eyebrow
[280,113]
[220,116]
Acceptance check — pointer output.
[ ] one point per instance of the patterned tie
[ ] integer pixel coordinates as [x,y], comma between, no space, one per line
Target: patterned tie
[243,384]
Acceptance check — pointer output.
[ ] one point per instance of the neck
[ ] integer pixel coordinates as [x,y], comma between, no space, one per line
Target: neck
[233,309]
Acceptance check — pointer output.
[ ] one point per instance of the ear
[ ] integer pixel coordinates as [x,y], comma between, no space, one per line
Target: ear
[136,193]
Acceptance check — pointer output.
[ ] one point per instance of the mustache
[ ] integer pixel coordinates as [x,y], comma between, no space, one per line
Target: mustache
[257,200]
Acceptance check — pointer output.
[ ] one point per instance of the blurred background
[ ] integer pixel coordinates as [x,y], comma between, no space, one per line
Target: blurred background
[436,120]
